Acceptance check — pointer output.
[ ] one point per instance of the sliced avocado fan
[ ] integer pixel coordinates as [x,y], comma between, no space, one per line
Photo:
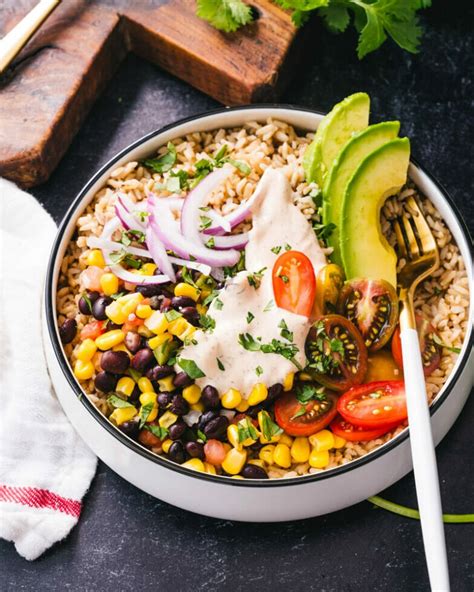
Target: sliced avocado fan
[347,117]
[346,163]
[365,251]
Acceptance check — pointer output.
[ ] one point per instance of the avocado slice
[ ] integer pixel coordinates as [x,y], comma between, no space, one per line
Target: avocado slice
[347,117]
[365,251]
[349,158]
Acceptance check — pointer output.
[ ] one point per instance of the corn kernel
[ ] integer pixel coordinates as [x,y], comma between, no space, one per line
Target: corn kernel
[157,322]
[288,381]
[339,442]
[187,290]
[109,284]
[148,397]
[319,460]
[285,439]
[166,384]
[121,347]
[257,462]
[282,456]
[201,309]
[148,269]
[211,469]
[243,406]
[305,377]
[96,258]
[155,342]
[231,399]
[110,339]
[323,440]
[83,370]
[167,419]
[234,461]
[192,394]
[226,446]
[194,464]
[144,384]
[85,352]
[129,302]
[300,450]
[122,415]
[266,454]
[125,386]
[144,331]
[258,394]
[115,313]
[144,311]
[237,477]
[197,407]
[166,444]
[181,328]
[233,436]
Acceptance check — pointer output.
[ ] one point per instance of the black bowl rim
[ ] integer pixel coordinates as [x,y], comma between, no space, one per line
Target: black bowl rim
[142,451]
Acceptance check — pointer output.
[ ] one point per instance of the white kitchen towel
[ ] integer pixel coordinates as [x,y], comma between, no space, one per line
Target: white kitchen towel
[45,468]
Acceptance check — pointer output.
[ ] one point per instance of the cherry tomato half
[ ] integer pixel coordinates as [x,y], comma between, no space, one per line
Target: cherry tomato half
[329,282]
[375,404]
[294,283]
[430,350]
[304,419]
[337,356]
[372,305]
[342,428]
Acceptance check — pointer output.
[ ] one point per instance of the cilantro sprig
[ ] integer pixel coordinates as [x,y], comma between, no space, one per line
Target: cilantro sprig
[374,20]
[287,350]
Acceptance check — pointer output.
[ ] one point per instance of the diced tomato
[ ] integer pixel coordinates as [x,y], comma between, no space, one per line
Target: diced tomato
[215,452]
[92,330]
[146,438]
[375,404]
[132,325]
[90,278]
[342,428]
[294,284]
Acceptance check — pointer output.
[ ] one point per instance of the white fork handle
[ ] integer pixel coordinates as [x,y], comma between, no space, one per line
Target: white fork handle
[424,463]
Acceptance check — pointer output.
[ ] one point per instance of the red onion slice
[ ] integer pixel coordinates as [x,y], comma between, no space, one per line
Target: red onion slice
[191,213]
[135,278]
[230,241]
[158,252]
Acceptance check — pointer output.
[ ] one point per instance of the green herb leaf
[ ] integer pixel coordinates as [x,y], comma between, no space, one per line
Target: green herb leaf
[172,315]
[437,340]
[269,428]
[323,231]
[201,436]
[205,222]
[220,365]
[258,370]
[135,374]
[270,304]
[250,317]
[187,277]
[301,411]
[145,411]
[117,295]
[218,303]
[248,342]
[219,155]
[243,167]
[225,15]
[87,300]
[163,352]
[307,392]
[285,332]
[157,431]
[287,350]
[287,247]
[211,297]
[255,279]
[275,250]
[163,163]
[246,430]
[191,368]
[207,323]
[118,403]
[211,243]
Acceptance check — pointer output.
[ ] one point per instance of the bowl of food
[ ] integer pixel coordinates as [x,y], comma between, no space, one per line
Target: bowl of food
[221,311]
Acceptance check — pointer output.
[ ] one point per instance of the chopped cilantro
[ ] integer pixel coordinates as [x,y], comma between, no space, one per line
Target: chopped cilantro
[118,403]
[287,247]
[211,243]
[205,222]
[275,250]
[437,340]
[87,300]
[187,277]
[270,304]
[258,370]
[220,365]
[250,317]
[246,430]
[308,392]
[207,323]
[201,436]
[218,303]
[285,332]
[163,163]
[255,279]
[211,297]
[123,256]
[287,350]
[157,431]
[269,428]
[285,279]
[191,368]
[323,231]
[172,315]
[242,166]
[145,411]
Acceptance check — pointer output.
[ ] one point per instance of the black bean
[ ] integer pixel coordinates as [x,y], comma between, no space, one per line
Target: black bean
[182,380]
[274,393]
[157,372]
[253,472]
[142,360]
[206,417]
[134,397]
[195,450]
[130,428]
[149,290]
[191,314]
[155,302]
[99,306]
[164,399]
[112,326]
[116,362]
[177,430]
[210,397]
[165,305]
[176,452]
[133,342]
[105,382]
[179,302]
[68,330]
[179,405]
[216,428]
[84,304]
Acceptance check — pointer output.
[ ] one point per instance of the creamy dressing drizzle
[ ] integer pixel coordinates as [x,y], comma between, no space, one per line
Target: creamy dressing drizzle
[276,222]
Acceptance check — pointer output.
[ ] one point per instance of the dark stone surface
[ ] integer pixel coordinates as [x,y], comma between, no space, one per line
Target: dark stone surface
[127,540]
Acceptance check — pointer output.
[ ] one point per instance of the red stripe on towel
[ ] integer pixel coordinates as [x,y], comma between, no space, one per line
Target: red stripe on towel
[40,498]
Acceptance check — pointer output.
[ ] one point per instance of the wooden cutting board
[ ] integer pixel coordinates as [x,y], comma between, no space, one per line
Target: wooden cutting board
[52,84]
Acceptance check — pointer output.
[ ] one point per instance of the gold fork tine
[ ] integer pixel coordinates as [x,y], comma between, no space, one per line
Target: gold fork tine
[424,231]
[400,239]
[413,249]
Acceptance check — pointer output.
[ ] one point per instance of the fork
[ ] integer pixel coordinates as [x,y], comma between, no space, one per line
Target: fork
[418,246]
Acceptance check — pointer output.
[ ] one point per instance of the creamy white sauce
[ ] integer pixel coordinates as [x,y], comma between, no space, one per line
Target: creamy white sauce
[276,221]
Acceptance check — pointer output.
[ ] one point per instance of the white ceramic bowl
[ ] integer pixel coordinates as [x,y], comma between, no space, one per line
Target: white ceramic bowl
[222,497]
